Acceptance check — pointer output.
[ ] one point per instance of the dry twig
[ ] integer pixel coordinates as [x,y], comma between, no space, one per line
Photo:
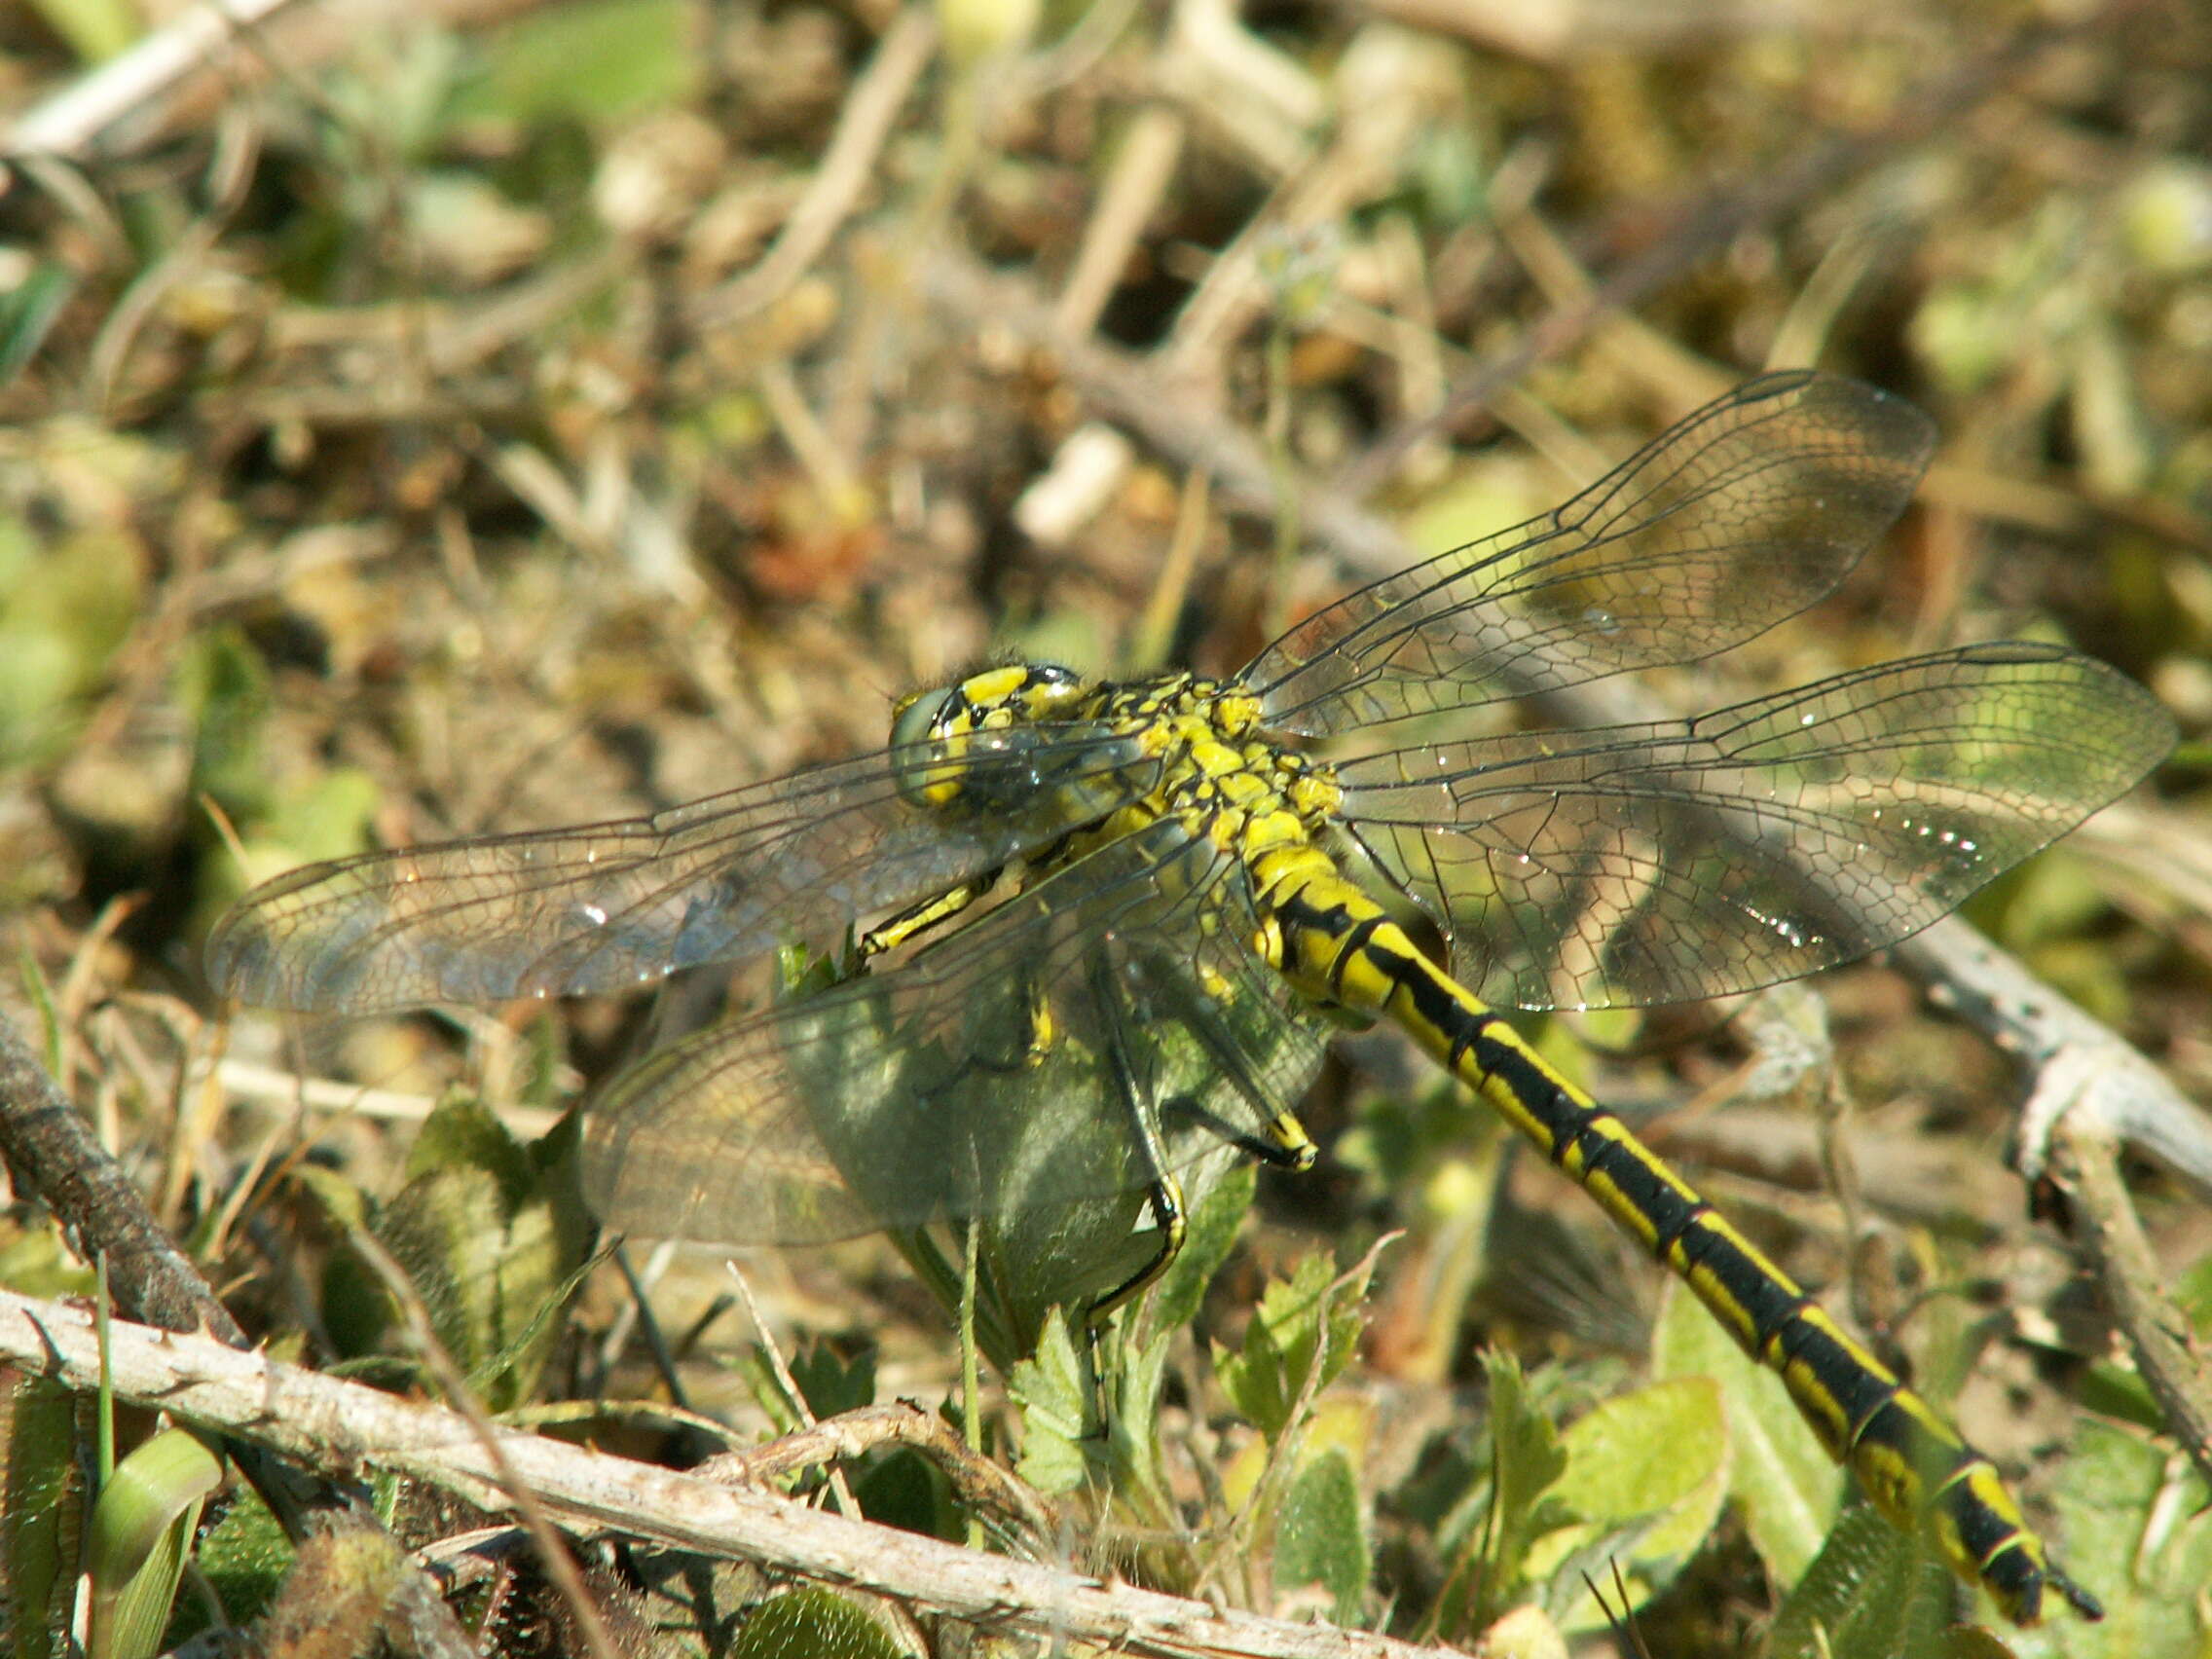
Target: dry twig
[334,1424]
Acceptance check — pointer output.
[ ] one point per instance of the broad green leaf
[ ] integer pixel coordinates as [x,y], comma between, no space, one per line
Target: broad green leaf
[813,1624]
[1643,1452]
[1321,1535]
[902,1489]
[1789,1488]
[1646,1474]
[1873,1593]
[1053,1395]
[490,1242]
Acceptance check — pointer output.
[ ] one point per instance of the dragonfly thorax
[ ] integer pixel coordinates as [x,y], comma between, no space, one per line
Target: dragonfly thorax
[1220,772]
[1206,759]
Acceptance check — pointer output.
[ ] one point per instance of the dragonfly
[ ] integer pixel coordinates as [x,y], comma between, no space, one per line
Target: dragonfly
[1099,931]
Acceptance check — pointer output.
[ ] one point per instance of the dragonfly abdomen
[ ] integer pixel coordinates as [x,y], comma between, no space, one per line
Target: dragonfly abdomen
[1336,946]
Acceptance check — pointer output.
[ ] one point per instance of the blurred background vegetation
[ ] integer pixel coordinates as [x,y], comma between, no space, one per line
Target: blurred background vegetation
[420,416]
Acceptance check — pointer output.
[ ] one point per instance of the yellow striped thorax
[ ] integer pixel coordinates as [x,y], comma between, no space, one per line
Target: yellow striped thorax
[1208,760]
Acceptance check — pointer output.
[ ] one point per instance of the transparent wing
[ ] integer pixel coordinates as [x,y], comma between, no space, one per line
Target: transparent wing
[1664,863]
[1016,1067]
[604,907]
[1738,516]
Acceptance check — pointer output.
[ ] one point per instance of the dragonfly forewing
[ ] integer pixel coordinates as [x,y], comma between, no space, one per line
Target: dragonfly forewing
[607,907]
[1669,861]
[1740,515]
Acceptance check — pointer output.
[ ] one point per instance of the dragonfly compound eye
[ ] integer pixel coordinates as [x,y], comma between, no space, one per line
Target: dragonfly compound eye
[924,716]
[925,733]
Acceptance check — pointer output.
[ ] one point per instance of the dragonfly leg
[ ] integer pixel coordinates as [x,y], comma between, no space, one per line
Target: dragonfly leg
[1162,1192]
[1285,1145]
[917,919]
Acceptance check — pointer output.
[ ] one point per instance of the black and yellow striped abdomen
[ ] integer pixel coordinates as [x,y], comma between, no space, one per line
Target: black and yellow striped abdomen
[1337,946]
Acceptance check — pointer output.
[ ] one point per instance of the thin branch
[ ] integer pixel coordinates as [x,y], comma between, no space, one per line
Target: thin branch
[848,166]
[324,1422]
[983,1486]
[2081,1067]
[136,86]
[2158,1335]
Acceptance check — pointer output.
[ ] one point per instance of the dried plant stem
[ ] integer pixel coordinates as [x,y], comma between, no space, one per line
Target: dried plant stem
[323,1421]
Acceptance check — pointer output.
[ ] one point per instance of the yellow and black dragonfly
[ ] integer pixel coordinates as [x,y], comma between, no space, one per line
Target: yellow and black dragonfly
[1099,932]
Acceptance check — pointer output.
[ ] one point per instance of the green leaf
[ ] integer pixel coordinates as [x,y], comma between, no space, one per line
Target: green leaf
[589,61]
[1136,1372]
[65,604]
[95,29]
[462,1133]
[1321,1535]
[1525,1461]
[1789,1488]
[223,684]
[834,1378]
[492,1242]
[1301,1337]
[1052,1393]
[813,1624]
[28,312]
[2133,1526]
[905,1489]
[142,1526]
[1643,1452]
[41,1513]
[245,1556]
[1526,1458]
[1646,1474]
[828,1381]
[1873,1592]
[1257,1378]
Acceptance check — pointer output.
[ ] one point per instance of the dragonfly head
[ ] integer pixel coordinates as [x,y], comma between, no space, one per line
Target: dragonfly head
[995,699]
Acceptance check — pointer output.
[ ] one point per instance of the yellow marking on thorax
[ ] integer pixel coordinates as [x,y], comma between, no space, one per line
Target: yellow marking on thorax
[995,685]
